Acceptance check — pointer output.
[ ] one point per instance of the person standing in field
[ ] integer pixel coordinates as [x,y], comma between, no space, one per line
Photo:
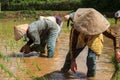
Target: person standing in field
[117,16]
[40,33]
[87,29]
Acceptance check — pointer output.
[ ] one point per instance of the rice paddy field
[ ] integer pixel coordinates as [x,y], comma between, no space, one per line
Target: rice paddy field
[8,46]
[16,66]
[12,62]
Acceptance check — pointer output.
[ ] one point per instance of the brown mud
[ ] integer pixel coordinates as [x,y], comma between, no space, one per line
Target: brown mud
[33,67]
[50,67]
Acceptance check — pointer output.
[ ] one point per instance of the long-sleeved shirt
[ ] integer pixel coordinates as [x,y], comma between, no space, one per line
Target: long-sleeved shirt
[39,31]
[74,37]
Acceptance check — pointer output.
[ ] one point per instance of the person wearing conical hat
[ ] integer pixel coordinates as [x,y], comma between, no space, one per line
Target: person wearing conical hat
[88,29]
[39,33]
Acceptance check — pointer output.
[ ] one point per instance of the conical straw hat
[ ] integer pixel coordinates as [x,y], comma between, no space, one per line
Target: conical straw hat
[20,30]
[89,21]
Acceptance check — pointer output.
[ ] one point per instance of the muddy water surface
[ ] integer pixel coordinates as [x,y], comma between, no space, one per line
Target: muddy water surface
[33,67]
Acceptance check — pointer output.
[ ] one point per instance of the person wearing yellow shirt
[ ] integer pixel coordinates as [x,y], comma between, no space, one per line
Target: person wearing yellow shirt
[88,29]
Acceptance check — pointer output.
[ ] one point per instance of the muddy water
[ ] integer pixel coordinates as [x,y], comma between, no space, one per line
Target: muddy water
[33,67]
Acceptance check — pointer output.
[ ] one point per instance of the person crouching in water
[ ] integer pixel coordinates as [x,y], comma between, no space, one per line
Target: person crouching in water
[40,33]
[88,29]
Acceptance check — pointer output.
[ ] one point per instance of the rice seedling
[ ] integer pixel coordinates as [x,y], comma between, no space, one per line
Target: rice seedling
[19,66]
[28,72]
[116,75]
[8,71]
[38,67]
[5,58]
[1,55]
[6,48]
[23,58]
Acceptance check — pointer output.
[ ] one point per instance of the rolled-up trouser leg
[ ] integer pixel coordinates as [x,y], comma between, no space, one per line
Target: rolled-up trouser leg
[91,63]
[67,63]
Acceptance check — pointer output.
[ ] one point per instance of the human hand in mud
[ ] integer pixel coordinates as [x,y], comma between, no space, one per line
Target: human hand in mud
[73,66]
[118,56]
[25,49]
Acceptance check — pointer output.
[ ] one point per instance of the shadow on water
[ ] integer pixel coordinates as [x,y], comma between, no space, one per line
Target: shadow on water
[58,75]
[22,55]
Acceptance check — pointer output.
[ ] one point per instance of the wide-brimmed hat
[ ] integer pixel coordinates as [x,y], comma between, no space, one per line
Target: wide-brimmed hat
[89,21]
[20,31]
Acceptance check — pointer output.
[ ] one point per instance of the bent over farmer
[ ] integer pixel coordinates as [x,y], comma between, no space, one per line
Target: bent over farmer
[54,19]
[88,29]
[40,33]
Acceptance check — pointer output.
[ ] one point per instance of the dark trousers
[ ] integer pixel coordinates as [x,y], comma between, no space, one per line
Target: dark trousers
[91,62]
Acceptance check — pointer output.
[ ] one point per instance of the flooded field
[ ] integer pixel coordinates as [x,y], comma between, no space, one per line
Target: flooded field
[16,66]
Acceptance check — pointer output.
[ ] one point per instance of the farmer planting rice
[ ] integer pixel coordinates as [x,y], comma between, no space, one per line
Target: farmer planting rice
[40,33]
[88,29]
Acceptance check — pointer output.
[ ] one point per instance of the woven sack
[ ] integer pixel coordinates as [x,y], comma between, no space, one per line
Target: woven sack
[52,18]
[89,21]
